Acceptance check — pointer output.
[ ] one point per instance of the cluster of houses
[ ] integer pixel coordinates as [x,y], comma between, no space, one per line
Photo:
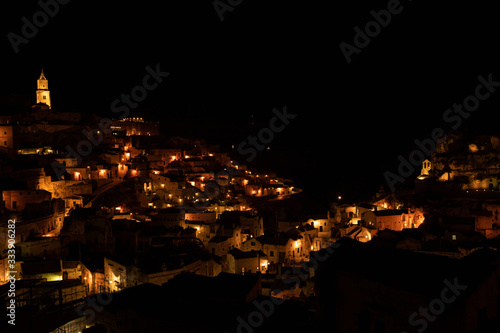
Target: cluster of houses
[145,216]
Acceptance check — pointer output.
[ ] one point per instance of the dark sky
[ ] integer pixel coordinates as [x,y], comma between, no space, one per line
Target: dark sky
[353,120]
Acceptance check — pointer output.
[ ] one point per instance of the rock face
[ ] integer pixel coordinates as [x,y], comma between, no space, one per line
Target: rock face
[471,162]
[463,182]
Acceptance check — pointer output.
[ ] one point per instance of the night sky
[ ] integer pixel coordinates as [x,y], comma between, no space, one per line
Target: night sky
[353,120]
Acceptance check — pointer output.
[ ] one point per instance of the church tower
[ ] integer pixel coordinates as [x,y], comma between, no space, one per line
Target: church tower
[43,93]
[426,169]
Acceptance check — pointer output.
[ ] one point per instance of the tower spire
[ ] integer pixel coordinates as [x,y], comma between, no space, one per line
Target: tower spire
[43,93]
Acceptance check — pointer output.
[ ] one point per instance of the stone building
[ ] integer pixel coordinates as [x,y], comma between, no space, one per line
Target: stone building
[135,126]
[16,200]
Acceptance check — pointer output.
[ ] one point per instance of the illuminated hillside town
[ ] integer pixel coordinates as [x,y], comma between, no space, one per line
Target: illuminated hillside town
[121,228]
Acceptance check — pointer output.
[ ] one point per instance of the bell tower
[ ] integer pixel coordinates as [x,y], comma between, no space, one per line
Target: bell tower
[426,169]
[43,93]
